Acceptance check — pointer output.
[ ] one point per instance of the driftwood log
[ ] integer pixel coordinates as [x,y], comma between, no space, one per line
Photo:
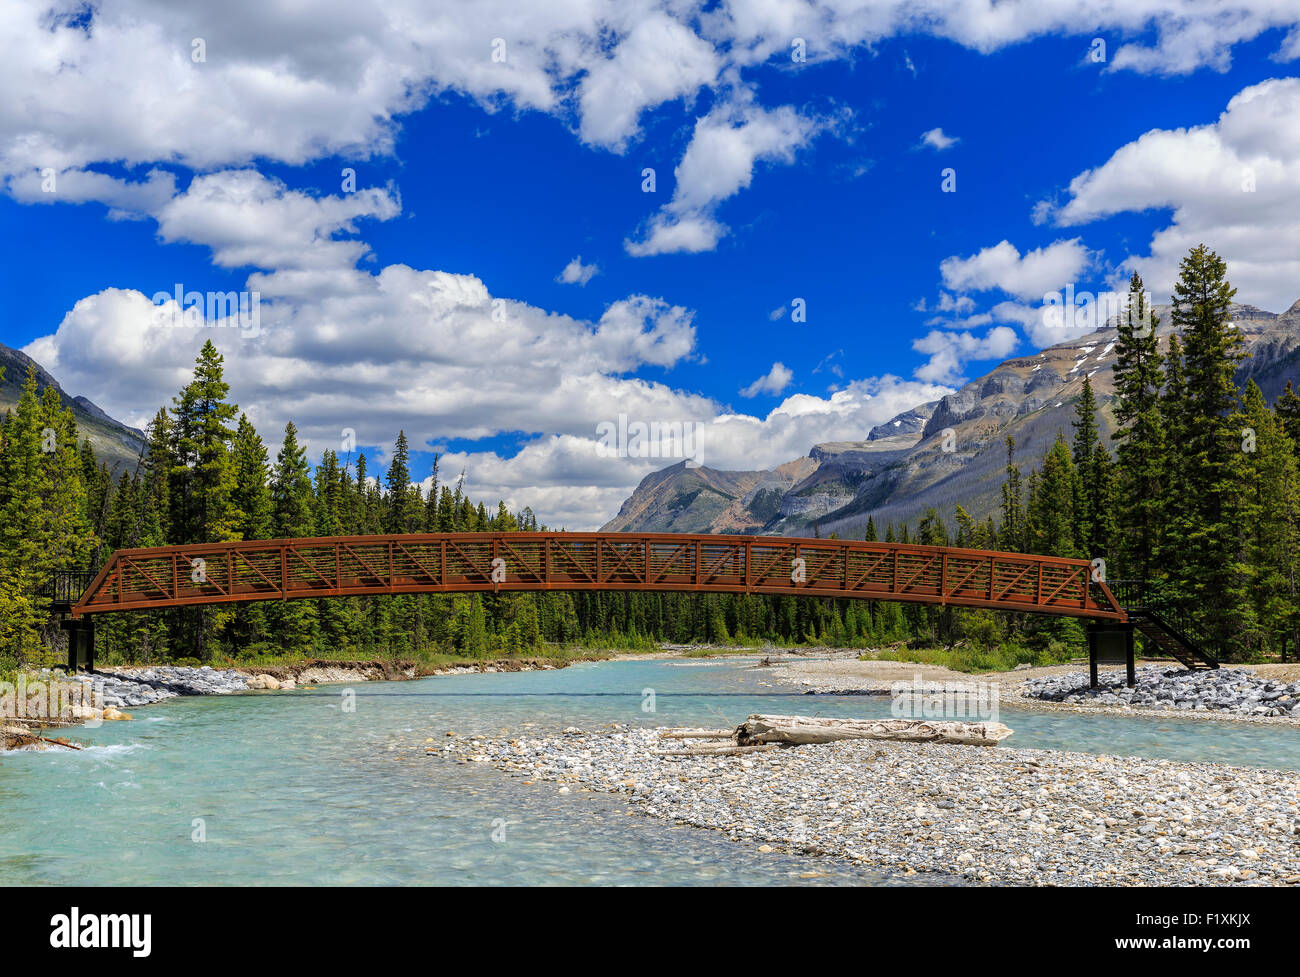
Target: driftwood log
[800,730]
[697,734]
[759,734]
[729,750]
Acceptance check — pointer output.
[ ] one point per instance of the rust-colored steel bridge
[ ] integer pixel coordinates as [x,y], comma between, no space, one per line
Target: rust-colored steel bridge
[276,569]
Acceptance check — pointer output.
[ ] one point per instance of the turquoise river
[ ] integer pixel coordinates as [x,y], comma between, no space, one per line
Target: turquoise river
[293,789]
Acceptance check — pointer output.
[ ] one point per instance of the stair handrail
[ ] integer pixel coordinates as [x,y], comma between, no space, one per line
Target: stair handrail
[1150,597]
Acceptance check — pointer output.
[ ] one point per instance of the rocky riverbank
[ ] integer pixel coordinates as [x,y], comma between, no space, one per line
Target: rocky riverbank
[140,685]
[1237,691]
[132,686]
[1258,694]
[123,687]
[984,815]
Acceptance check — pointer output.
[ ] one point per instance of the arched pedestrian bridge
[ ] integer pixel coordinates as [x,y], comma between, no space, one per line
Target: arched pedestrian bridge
[278,569]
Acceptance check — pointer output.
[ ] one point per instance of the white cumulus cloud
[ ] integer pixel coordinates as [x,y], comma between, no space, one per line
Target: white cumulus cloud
[576,273]
[949,352]
[1233,184]
[1027,276]
[772,382]
[936,139]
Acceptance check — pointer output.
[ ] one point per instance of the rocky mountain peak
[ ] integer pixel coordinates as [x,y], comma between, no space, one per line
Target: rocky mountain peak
[902,468]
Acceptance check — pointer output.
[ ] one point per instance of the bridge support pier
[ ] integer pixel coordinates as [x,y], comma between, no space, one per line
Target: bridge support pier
[1112,642]
[81,642]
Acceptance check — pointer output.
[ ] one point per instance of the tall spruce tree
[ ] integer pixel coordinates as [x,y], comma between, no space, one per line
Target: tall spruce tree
[1287,408]
[333,613]
[292,622]
[1011,535]
[1210,459]
[251,496]
[246,629]
[404,510]
[1087,438]
[67,535]
[1139,437]
[1169,566]
[200,484]
[1052,515]
[202,480]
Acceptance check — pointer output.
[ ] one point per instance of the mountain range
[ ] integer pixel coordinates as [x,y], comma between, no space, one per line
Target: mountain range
[901,468]
[115,443]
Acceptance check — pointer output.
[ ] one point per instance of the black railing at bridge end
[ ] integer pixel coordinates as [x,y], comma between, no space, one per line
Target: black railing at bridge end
[64,588]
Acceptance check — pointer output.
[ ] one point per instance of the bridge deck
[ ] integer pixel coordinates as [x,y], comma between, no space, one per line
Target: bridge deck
[219,573]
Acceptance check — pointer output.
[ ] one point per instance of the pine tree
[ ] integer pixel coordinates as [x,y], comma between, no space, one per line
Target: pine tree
[291,491]
[1288,412]
[930,531]
[292,622]
[404,512]
[201,480]
[334,614]
[22,527]
[1055,532]
[251,497]
[1087,438]
[1104,475]
[1175,500]
[329,496]
[1139,438]
[97,482]
[200,485]
[158,464]
[246,629]
[1209,451]
[67,538]
[1272,521]
[430,523]
[1011,532]
[970,535]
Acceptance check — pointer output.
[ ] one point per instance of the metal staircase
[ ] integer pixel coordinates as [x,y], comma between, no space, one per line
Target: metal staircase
[1169,629]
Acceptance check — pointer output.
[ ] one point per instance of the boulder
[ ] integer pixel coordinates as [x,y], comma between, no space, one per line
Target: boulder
[263,682]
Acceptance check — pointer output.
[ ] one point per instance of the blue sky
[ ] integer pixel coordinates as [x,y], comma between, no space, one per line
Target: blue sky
[478,181]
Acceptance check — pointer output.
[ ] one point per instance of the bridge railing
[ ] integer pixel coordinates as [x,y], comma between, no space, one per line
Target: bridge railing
[212,573]
[65,587]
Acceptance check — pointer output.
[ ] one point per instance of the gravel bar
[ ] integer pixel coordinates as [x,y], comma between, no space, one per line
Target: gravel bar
[982,815]
[1233,694]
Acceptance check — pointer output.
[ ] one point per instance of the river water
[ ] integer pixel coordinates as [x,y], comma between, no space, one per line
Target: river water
[297,789]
